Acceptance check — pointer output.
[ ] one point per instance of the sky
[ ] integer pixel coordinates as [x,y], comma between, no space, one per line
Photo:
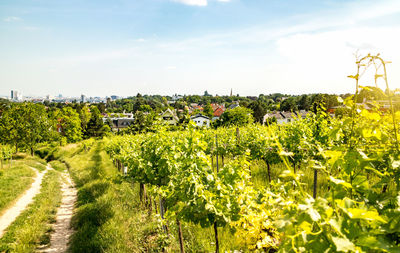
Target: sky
[125,47]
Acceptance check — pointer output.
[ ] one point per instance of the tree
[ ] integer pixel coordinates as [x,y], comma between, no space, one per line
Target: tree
[70,124]
[145,108]
[238,116]
[101,107]
[11,126]
[84,116]
[259,110]
[304,102]
[143,122]
[26,125]
[208,111]
[289,104]
[95,126]
[370,93]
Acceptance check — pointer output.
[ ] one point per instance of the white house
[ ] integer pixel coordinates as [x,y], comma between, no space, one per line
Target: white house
[284,117]
[201,120]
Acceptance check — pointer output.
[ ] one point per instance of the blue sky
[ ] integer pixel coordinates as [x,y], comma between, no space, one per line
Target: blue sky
[123,47]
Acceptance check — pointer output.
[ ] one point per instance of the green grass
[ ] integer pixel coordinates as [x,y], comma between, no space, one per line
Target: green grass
[57,165]
[35,164]
[13,182]
[32,227]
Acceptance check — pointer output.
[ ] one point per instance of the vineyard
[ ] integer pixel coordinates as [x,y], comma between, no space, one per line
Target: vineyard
[316,184]
[338,189]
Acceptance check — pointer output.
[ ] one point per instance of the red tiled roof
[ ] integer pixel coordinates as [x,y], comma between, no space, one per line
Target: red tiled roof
[218,112]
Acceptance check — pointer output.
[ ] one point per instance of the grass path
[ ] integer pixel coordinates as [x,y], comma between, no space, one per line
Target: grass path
[13,212]
[62,228]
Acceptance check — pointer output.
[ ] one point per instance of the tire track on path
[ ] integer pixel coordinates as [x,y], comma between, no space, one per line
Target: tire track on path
[62,229]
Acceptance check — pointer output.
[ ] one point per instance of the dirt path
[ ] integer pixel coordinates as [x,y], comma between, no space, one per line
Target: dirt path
[62,228]
[13,212]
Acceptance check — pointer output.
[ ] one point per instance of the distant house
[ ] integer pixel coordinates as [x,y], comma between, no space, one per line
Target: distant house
[284,117]
[216,106]
[201,120]
[117,124]
[170,117]
[234,105]
[218,110]
[118,121]
[176,97]
[121,123]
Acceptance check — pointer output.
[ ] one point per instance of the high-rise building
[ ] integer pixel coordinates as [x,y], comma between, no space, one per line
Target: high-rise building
[83,98]
[16,95]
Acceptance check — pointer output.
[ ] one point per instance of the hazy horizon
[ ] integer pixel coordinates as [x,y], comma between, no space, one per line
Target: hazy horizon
[102,48]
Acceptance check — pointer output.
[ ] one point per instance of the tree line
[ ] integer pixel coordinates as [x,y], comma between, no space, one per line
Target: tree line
[25,125]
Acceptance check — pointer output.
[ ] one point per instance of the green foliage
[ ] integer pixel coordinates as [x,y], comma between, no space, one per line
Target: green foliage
[144,122]
[354,214]
[259,110]
[70,124]
[25,125]
[289,105]
[208,111]
[95,126]
[238,116]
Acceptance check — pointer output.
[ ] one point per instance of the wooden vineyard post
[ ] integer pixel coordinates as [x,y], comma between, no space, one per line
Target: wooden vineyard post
[216,238]
[238,136]
[162,212]
[269,171]
[315,183]
[178,223]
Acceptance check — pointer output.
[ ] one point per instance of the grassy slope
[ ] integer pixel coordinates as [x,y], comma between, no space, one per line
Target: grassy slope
[57,165]
[13,182]
[32,228]
[109,217]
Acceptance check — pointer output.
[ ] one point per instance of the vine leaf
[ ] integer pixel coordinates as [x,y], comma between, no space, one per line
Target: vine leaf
[343,244]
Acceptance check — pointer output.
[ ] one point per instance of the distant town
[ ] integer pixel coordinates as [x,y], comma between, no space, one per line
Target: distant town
[17,96]
[122,113]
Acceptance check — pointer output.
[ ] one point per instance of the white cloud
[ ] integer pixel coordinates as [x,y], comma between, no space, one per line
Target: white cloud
[324,59]
[193,2]
[12,19]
